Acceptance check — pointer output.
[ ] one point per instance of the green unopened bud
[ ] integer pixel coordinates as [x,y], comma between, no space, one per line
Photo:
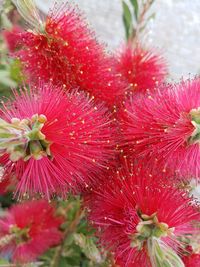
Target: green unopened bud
[195,115]
[23,139]
[16,155]
[149,227]
[195,120]
[35,134]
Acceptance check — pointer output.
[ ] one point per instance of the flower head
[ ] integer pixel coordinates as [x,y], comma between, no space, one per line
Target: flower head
[142,220]
[143,69]
[164,128]
[49,141]
[62,49]
[28,230]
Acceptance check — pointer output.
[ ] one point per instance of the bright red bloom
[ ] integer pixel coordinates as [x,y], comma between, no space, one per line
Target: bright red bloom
[164,128]
[67,53]
[28,230]
[12,38]
[135,215]
[143,69]
[58,142]
[192,260]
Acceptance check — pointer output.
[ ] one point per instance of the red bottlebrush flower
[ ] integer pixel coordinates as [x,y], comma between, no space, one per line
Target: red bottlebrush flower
[143,69]
[28,230]
[67,53]
[54,142]
[141,220]
[12,38]
[164,128]
[192,260]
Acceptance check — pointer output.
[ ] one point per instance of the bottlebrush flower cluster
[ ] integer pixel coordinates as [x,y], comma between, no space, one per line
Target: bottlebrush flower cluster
[50,140]
[164,128]
[105,127]
[64,50]
[143,69]
[142,219]
[28,230]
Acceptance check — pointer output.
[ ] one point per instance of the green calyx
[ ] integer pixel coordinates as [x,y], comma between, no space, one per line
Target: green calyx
[23,139]
[195,120]
[21,235]
[148,227]
[16,234]
[149,236]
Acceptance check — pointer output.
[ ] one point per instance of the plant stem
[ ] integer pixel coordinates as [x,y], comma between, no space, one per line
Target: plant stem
[135,34]
[69,230]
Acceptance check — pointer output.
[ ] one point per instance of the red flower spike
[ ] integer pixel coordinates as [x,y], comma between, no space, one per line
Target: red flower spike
[139,217]
[143,69]
[28,230]
[53,144]
[67,53]
[163,128]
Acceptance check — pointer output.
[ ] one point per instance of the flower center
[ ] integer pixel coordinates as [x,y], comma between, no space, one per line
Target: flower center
[21,235]
[15,234]
[149,227]
[195,120]
[23,139]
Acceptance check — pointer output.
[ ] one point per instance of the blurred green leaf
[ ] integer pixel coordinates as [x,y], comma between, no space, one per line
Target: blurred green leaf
[3,261]
[16,71]
[88,247]
[127,19]
[136,8]
[6,80]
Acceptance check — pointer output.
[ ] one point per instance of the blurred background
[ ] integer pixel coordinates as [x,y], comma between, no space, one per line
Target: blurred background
[175,30]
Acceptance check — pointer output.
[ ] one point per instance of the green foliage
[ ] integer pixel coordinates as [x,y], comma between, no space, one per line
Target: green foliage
[127,19]
[79,246]
[136,8]
[6,200]
[3,262]
[10,69]
[134,16]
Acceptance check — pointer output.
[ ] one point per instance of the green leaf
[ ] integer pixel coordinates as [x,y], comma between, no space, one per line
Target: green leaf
[88,247]
[127,19]
[6,80]
[3,261]
[136,8]
[16,71]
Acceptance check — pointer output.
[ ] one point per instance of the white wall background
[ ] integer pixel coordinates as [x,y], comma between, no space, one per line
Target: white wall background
[175,30]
